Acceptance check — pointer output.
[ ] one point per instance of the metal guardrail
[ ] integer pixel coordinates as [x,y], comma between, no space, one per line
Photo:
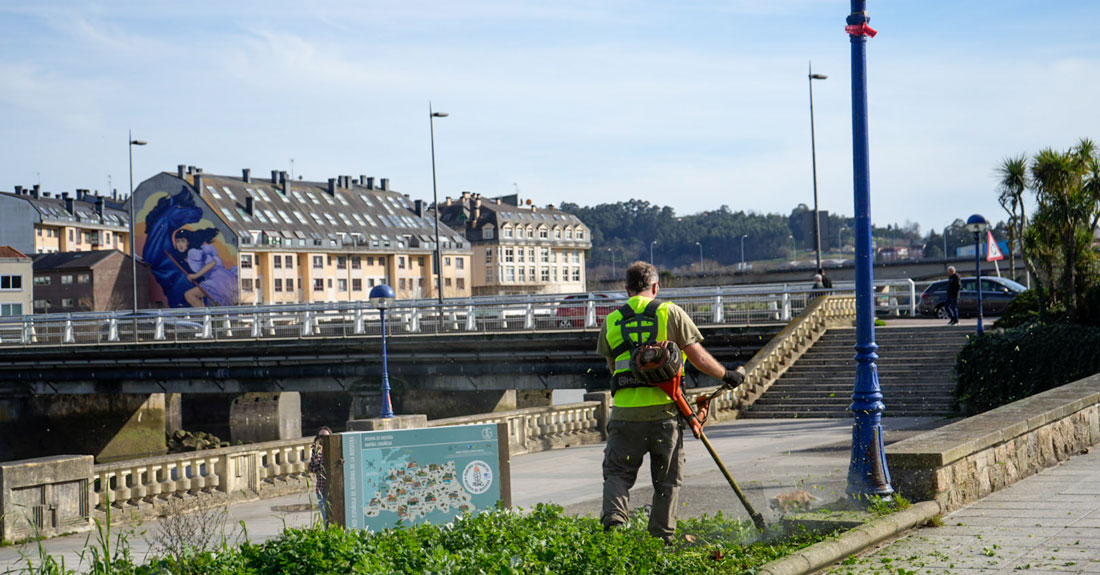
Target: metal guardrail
[727,305]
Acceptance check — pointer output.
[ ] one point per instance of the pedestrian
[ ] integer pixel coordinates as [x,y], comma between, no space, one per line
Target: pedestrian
[953,287]
[819,283]
[317,467]
[826,282]
[644,419]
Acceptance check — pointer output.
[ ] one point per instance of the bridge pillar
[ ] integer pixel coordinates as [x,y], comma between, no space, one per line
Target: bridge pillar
[255,417]
[110,427]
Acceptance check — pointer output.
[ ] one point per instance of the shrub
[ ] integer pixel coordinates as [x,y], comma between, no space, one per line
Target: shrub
[1000,368]
[1089,307]
[1021,310]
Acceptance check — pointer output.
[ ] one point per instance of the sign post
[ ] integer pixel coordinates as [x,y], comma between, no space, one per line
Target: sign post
[992,252]
[381,478]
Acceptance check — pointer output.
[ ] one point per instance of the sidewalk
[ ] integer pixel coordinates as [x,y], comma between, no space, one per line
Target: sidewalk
[1048,523]
[766,457]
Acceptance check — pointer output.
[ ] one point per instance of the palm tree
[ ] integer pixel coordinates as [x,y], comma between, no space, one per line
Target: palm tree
[1013,183]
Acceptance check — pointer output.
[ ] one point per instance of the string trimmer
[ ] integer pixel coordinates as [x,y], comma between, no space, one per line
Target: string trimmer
[651,359]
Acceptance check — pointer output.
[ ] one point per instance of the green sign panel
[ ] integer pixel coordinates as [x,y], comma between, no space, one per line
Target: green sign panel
[422,475]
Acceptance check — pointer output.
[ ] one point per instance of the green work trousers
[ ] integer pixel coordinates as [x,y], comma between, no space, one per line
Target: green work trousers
[627,443]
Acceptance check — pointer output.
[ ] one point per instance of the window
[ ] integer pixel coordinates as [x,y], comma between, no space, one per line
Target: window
[580,234]
[65,280]
[545,274]
[461,283]
[11,309]
[577,257]
[506,232]
[487,233]
[83,278]
[289,261]
[569,233]
[447,282]
[400,262]
[510,274]
[356,284]
[356,262]
[544,255]
[41,304]
[488,255]
[543,234]
[460,263]
[519,255]
[370,261]
[508,255]
[246,285]
[318,262]
[557,233]
[576,274]
[522,274]
[342,263]
[318,284]
[447,262]
[531,255]
[341,285]
[554,272]
[277,262]
[290,285]
[401,283]
[530,232]
[42,280]
[66,302]
[278,284]
[488,275]
[246,262]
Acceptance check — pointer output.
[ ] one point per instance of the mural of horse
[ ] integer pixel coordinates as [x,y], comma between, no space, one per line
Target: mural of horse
[170,214]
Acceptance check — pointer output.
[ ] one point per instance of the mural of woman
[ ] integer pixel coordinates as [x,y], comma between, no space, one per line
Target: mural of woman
[212,279]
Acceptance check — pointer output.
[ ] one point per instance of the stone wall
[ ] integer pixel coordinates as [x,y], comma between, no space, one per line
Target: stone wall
[967,460]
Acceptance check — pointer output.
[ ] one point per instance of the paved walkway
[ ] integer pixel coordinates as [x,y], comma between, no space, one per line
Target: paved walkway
[766,457]
[1048,523]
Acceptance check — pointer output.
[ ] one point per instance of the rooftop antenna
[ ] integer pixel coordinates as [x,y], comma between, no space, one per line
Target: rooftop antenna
[39,176]
[110,186]
[516,186]
[292,169]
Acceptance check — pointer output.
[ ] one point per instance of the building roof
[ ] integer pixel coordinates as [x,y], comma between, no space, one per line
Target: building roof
[473,212]
[71,260]
[342,211]
[8,252]
[82,208]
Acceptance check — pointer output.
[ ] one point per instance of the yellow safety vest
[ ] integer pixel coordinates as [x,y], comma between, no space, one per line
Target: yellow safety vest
[635,396]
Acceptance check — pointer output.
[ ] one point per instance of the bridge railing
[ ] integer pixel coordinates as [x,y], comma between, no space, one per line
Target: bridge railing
[728,305]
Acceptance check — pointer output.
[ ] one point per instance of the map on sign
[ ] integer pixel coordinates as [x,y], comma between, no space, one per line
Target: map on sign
[420,475]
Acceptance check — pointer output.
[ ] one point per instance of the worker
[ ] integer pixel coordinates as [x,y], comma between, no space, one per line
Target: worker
[644,418]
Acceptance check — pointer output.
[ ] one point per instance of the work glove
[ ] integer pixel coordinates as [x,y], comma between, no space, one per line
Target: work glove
[734,377]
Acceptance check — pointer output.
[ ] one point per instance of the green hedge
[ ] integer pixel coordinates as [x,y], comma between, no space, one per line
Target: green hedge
[1000,368]
[503,542]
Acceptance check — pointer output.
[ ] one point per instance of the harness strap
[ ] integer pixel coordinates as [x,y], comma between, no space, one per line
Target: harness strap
[628,314]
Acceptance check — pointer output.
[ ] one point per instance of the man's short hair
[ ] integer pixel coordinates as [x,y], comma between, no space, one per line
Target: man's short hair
[639,276]
[950,269]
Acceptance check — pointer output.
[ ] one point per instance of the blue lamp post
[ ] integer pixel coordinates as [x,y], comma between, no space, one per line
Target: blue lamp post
[382,296]
[867,471]
[977,224]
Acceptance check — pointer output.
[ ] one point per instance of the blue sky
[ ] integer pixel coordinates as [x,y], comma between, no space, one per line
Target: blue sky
[691,104]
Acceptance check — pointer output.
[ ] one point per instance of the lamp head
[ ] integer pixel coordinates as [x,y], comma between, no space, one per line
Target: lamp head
[138,142]
[440,114]
[818,76]
[976,223]
[381,296]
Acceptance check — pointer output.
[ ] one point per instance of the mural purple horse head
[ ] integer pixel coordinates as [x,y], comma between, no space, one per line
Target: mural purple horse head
[170,214]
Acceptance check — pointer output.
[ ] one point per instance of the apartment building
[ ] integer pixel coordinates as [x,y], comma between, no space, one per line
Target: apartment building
[219,240]
[519,248]
[37,222]
[16,291]
[86,281]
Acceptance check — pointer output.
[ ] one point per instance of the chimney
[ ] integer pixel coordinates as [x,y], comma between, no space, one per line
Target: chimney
[37,192]
[180,170]
[99,205]
[198,181]
[79,194]
[246,176]
[362,179]
[190,170]
[369,183]
[449,201]
[418,208]
[282,178]
[477,208]
[249,205]
[384,184]
[274,177]
[19,190]
[332,186]
[68,203]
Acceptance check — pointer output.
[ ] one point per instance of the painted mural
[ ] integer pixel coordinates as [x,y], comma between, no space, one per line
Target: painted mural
[187,251]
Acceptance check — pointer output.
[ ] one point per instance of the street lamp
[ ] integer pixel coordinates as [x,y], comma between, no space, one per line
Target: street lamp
[813,160]
[133,224]
[977,224]
[613,273]
[840,239]
[868,473]
[435,202]
[794,247]
[651,244]
[700,255]
[743,236]
[381,296]
[945,228]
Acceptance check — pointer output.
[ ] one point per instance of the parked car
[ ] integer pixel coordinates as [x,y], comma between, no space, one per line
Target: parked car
[572,309]
[997,293]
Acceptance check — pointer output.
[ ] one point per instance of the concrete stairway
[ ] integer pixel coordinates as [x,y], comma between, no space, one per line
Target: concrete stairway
[915,371]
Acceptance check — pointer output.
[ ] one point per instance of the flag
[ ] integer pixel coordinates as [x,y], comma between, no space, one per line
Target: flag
[992,252]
